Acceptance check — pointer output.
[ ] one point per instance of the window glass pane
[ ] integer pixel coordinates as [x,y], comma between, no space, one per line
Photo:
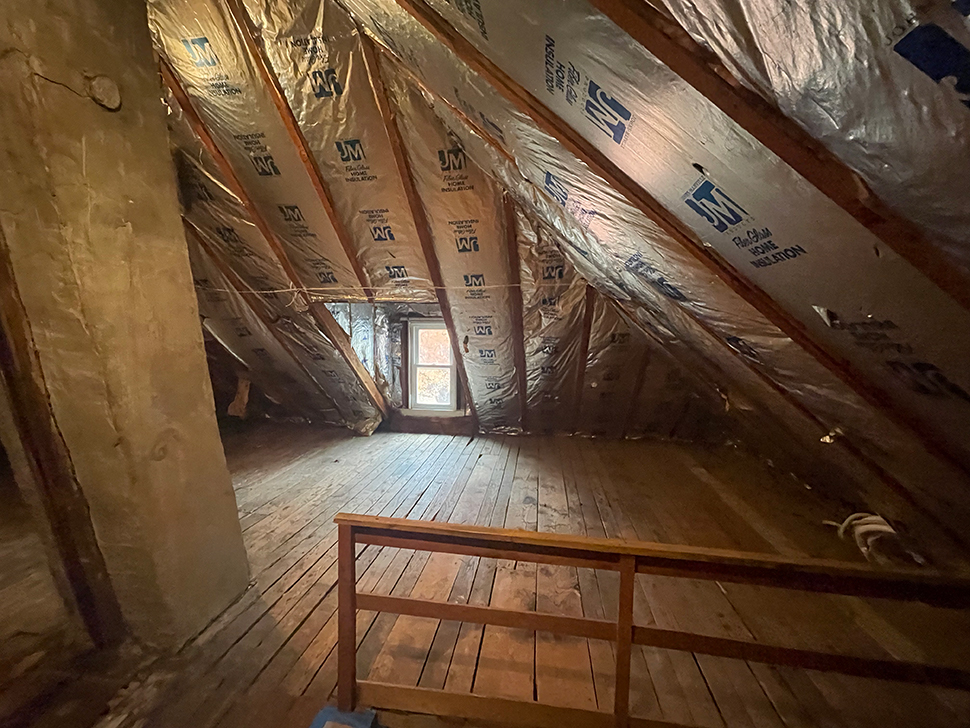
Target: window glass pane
[433,386]
[434,347]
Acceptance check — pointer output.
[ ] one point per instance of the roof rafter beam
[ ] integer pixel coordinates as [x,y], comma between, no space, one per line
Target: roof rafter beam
[417,212]
[251,37]
[873,467]
[700,68]
[518,327]
[549,122]
[326,321]
[247,295]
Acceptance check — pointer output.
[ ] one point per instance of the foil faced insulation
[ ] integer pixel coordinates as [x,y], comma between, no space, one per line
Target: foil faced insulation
[616,357]
[835,278]
[465,213]
[552,323]
[233,323]
[627,259]
[884,85]
[206,52]
[220,220]
[315,50]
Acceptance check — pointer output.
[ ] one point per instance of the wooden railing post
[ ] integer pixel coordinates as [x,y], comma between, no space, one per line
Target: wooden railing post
[624,641]
[346,618]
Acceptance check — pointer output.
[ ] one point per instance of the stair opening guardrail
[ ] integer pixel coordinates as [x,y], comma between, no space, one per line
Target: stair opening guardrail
[628,558]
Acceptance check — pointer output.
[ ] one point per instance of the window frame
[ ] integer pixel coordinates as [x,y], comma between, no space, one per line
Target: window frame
[414,327]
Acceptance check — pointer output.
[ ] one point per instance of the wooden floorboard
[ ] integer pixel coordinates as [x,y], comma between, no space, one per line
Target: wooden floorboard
[270,659]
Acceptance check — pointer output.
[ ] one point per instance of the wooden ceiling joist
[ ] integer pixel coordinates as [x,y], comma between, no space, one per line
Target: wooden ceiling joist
[700,68]
[250,35]
[417,212]
[321,315]
[572,141]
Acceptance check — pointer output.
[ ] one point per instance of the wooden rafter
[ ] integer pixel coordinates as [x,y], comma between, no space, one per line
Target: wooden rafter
[515,296]
[324,318]
[765,122]
[249,297]
[873,467]
[843,442]
[417,212]
[550,123]
[250,36]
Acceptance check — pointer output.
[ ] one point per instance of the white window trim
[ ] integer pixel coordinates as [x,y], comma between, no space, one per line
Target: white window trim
[413,328]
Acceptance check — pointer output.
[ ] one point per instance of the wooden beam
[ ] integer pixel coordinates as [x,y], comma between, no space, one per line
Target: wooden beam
[598,629]
[249,296]
[418,213]
[339,338]
[844,443]
[327,323]
[63,501]
[589,305]
[668,639]
[910,672]
[700,68]
[784,572]
[252,39]
[877,470]
[515,293]
[547,121]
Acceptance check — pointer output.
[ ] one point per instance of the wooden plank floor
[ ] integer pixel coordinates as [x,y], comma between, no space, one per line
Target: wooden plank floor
[270,659]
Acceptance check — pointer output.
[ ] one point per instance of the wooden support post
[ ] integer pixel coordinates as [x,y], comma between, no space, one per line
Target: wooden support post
[700,68]
[624,641]
[599,163]
[250,36]
[327,323]
[515,294]
[417,212]
[346,618]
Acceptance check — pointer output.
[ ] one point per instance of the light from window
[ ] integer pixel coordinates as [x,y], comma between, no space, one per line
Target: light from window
[432,375]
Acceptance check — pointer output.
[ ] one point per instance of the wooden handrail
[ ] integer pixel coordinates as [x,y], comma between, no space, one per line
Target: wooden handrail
[629,558]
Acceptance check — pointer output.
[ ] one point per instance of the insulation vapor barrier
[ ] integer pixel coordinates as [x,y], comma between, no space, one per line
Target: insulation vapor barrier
[884,85]
[465,213]
[220,221]
[552,323]
[218,216]
[617,355]
[849,291]
[233,323]
[315,50]
[207,53]
[618,250]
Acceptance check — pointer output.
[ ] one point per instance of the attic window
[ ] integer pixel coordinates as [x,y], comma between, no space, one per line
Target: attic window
[432,377]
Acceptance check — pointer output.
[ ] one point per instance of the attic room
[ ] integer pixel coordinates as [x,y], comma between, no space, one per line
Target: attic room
[433,363]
